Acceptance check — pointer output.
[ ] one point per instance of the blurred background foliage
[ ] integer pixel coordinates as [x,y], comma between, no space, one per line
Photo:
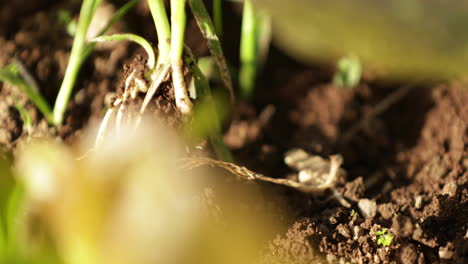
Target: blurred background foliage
[396,39]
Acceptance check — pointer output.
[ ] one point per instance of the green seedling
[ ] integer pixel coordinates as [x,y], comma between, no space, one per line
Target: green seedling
[80,51]
[16,74]
[348,73]
[384,238]
[76,59]
[169,61]
[255,41]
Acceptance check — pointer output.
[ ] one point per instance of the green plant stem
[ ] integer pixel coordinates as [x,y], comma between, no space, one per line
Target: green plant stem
[161,22]
[218,17]
[178,20]
[163,30]
[248,51]
[79,44]
[116,17]
[134,38]
[204,93]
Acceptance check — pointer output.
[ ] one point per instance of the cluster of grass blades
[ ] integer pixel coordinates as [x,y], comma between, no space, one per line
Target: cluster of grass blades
[16,74]
[169,63]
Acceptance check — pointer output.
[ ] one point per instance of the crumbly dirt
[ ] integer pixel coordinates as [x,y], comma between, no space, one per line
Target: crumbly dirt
[410,162]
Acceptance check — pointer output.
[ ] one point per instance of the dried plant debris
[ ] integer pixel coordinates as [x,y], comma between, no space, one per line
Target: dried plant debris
[315,173]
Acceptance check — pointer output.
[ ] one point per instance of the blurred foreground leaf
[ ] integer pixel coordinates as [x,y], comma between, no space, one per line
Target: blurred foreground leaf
[128,202]
[399,38]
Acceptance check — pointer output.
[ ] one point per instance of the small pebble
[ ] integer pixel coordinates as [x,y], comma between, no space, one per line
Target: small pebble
[450,189]
[445,254]
[331,258]
[357,232]
[418,202]
[343,230]
[368,208]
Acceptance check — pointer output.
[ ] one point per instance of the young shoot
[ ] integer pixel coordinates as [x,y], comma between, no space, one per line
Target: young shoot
[76,59]
[384,238]
[348,73]
[80,51]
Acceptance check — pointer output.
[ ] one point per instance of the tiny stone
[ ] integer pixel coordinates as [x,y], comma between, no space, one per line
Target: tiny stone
[450,189]
[343,230]
[417,233]
[418,202]
[80,97]
[445,254]
[357,232]
[331,258]
[376,259]
[368,208]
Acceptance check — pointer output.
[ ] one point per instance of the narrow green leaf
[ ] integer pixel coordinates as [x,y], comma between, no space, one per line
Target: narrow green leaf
[206,26]
[206,119]
[16,74]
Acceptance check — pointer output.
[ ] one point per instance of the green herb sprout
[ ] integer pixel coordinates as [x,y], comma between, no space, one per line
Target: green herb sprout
[384,237]
[348,72]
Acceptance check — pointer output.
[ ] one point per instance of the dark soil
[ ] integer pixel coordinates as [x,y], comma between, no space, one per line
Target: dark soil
[411,161]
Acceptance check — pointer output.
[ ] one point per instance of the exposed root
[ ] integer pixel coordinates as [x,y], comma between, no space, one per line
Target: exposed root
[180,91]
[157,78]
[103,127]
